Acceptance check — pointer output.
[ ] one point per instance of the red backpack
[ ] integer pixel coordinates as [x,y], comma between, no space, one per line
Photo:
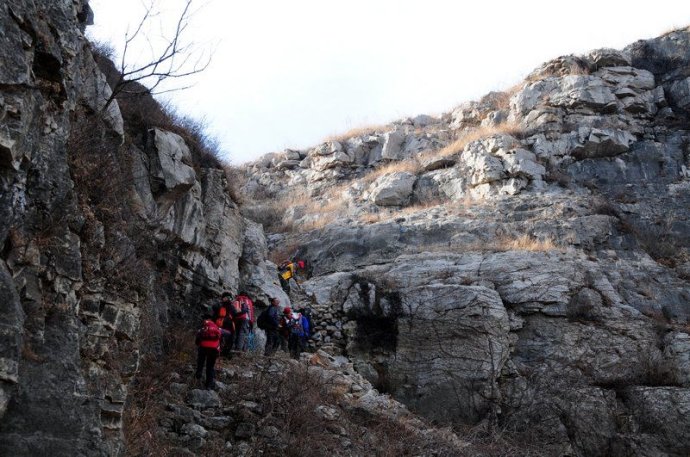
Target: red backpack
[222,314]
[208,336]
[244,308]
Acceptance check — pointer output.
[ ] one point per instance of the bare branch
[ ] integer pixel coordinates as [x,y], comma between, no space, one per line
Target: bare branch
[172,62]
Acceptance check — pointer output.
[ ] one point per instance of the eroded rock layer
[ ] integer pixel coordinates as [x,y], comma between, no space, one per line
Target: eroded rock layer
[521,261]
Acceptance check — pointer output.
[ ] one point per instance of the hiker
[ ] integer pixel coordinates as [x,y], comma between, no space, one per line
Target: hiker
[308,313]
[222,316]
[287,270]
[283,331]
[208,339]
[268,321]
[243,317]
[296,328]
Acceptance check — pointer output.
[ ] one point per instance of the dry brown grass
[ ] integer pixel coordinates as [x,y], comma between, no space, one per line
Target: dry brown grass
[358,131]
[520,243]
[673,29]
[501,100]
[474,134]
[289,399]
[317,224]
[409,165]
[382,216]
[326,212]
[524,243]
[372,218]
[320,212]
[145,400]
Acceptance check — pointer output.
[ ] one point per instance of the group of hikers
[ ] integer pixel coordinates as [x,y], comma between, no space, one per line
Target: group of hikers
[229,327]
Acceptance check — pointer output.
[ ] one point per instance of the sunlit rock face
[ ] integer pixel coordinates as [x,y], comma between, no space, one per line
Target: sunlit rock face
[520,261]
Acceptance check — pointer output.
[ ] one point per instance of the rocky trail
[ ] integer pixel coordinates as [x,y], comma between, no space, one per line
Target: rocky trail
[279,406]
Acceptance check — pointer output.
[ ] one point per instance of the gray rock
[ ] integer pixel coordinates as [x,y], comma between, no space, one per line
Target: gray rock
[394,189]
[177,388]
[583,91]
[268,431]
[327,413]
[194,430]
[392,146]
[662,411]
[679,93]
[607,57]
[174,160]
[245,431]
[604,143]
[203,399]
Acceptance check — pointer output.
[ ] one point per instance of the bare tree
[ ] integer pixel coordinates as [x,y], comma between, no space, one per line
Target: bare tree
[177,59]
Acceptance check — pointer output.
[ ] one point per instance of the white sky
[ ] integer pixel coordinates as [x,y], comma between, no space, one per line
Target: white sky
[289,73]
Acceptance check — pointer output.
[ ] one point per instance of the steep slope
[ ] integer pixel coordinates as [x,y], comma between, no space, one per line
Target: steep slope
[522,261]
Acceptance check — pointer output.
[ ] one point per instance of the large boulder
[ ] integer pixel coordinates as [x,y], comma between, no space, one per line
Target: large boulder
[679,93]
[577,91]
[171,160]
[603,143]
[394,189]
[392,145]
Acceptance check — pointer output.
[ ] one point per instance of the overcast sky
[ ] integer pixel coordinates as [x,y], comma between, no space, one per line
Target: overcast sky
[289,73]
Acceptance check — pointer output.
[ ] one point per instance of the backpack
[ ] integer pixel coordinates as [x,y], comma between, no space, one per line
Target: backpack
[264,320]
[307,313]
[295,327]
[222,314]
[244,308]
[285,270]
[208,335]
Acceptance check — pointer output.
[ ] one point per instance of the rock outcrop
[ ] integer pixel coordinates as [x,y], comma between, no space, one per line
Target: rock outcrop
[520,261]
[107,238]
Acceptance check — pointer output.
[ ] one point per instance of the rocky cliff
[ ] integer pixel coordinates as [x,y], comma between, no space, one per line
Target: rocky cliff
[521,262]
[109,234]
[518,264]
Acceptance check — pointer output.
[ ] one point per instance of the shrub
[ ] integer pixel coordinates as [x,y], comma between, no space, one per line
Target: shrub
[145,403]
[141,112]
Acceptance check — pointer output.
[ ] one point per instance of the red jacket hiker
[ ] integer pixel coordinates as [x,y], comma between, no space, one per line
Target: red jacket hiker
[243,315]
[209,335]
[208,341]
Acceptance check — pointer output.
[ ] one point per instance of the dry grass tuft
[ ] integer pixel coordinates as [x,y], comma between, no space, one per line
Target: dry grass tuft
[145,402]
[358,131]
[322,221]
[411,165]
[372,218]
[318,212]
[474,134]
[525,243]
[383,216]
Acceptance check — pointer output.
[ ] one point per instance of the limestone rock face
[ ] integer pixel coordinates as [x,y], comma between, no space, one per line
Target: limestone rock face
[535,277]
[171,162]
[105,241]
[394,189]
